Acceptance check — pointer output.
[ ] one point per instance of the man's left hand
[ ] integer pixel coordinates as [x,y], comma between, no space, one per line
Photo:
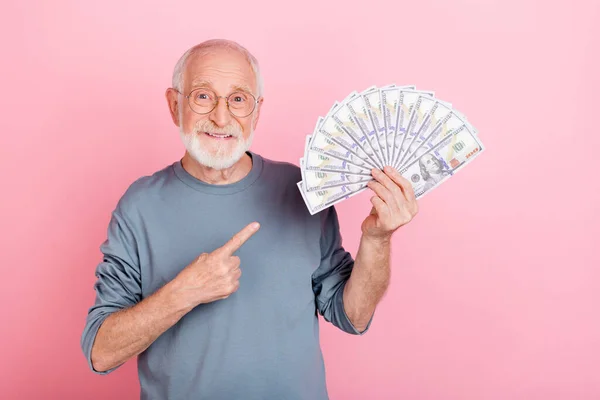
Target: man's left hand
[394,204]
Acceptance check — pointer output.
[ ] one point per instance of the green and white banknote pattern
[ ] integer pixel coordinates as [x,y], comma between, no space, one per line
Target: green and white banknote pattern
[422,137]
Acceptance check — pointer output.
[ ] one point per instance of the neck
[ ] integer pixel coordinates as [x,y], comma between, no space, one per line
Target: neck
[217,176]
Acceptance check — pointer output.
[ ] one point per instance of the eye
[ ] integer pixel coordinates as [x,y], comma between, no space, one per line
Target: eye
[238,97]
[203,96]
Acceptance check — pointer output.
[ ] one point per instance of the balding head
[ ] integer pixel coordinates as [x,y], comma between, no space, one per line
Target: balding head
[208,47]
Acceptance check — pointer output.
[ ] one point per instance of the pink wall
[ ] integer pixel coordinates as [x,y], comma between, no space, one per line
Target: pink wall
[496,285]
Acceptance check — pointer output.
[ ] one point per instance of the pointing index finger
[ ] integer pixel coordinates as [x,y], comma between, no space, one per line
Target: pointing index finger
[239,239]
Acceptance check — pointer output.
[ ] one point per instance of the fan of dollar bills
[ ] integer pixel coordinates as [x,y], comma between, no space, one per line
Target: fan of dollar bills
[422,137]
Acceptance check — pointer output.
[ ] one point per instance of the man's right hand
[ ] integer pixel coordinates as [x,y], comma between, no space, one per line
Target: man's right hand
[213,276]
[128,332]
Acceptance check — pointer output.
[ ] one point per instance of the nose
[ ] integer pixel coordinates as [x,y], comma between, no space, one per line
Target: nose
[220,115]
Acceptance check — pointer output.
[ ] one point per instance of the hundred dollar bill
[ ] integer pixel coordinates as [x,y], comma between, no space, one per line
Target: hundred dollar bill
[374,109]
[343,117]
[417,120]
[438,130]
[399,120]
[320,179]
[389,98]
[324,143]
[330,131]
[316,161]
[320,199]
[358,109]
[434,111]
[439,163]
[373,101]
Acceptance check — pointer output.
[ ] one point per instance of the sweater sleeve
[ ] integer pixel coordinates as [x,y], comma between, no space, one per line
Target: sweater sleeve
[330,278]
[118,283]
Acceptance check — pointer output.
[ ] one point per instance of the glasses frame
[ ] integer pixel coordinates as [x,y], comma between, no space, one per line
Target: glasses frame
[216,103]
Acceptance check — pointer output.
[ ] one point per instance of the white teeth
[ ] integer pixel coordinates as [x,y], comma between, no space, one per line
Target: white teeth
[217,135]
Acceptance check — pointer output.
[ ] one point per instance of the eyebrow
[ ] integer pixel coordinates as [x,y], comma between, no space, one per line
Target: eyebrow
[201,83]
[245,88]
[196,83]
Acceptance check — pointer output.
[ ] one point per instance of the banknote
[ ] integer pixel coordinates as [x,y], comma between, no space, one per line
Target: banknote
[343,118]
[320,179]
[416,121]
[408,100]
[331,130]
[438,130]
[425,138]
[318,158]
[361,107]
[320,199]
[390,98]
[321,143]
[434,111]
[358,110]
[374,110]
[441,162]
[317,161]
[374,103]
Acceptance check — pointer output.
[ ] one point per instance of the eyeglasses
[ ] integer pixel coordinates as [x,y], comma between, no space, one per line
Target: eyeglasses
[239,103]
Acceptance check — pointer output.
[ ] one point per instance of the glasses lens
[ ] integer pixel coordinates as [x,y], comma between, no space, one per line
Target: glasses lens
[202,100]
[241,104]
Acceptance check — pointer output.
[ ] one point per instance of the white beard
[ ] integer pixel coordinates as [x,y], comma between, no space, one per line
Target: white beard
[221,156]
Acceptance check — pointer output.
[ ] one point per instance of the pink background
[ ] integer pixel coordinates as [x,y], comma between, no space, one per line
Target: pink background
[496,286]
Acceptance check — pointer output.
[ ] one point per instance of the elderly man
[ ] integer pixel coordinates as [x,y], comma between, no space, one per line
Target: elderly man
[214,270]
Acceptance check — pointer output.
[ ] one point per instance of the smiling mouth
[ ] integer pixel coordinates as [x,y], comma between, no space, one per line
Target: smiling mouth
[218,135]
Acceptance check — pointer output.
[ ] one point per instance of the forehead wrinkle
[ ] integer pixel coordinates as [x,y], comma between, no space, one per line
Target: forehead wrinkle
[208,69]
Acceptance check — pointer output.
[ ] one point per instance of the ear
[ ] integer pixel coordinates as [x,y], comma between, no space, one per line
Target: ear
[258,107]
[172,96]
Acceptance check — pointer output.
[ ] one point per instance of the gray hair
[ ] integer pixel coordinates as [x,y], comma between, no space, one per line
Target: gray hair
[220,44]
